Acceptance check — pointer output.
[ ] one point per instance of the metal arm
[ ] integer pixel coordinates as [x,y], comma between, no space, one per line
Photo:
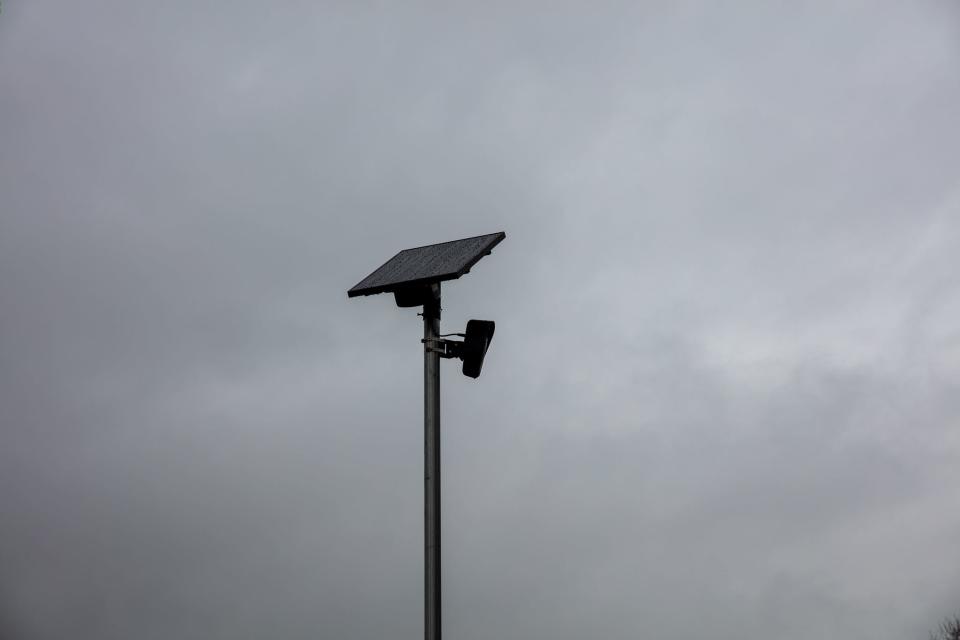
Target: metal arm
[446,348]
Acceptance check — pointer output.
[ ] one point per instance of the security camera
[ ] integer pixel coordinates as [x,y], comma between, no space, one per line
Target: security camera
[476,341]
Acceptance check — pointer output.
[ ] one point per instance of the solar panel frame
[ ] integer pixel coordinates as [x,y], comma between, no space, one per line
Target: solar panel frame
[427,264]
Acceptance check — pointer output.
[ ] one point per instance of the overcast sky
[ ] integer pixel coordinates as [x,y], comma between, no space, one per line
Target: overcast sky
[724,394]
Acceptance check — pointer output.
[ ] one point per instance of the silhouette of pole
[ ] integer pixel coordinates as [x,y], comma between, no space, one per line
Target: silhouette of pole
[431,464]
[413,276]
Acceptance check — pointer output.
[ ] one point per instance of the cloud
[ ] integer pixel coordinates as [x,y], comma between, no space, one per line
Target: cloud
[722,390]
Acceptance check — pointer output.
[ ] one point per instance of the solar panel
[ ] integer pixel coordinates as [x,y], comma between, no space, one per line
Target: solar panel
[426,265]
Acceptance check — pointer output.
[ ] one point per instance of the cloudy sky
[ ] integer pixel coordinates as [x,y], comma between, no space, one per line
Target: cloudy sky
[724,394]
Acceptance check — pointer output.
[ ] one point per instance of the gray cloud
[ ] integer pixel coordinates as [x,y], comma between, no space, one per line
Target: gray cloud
[722,394]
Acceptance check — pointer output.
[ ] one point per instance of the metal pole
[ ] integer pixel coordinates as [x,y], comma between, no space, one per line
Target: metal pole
[431,465]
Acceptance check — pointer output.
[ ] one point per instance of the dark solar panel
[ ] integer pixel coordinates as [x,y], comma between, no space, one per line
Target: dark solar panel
[423,265]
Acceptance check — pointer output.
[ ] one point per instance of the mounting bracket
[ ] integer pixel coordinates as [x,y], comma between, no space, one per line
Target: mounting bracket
[447,348]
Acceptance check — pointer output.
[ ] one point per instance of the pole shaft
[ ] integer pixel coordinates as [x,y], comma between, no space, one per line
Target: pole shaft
[431,464]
